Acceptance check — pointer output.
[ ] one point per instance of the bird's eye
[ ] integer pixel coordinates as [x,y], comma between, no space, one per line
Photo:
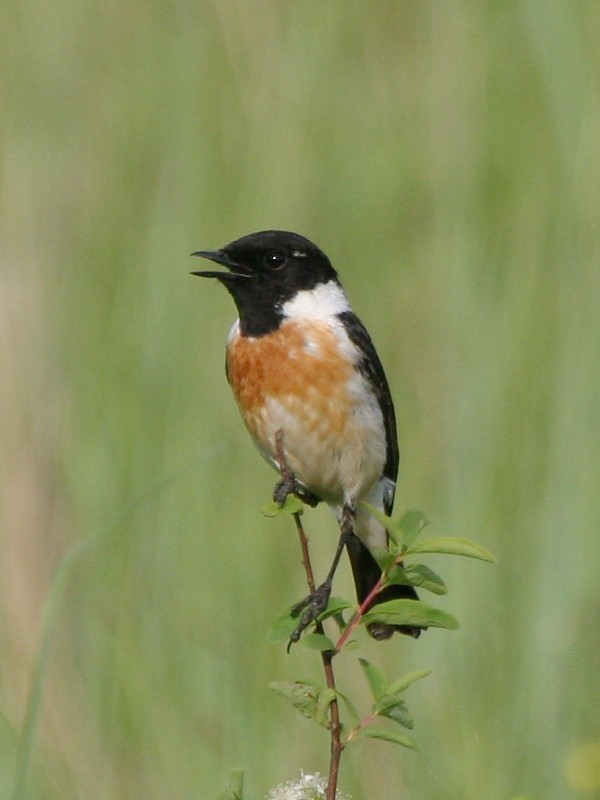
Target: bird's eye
[276,259]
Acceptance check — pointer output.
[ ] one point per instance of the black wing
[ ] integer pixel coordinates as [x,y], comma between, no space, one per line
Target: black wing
[370,366]
[364,567]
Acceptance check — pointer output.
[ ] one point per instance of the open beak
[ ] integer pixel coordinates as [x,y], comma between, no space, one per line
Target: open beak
[219,257]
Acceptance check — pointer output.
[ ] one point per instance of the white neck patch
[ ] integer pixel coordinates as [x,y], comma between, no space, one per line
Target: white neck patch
[324,302]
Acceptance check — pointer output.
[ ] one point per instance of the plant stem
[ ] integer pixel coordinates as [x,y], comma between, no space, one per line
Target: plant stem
[337,746]
[358,614]
[310,577]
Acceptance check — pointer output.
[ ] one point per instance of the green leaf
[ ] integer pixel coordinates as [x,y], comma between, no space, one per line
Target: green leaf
[410,612]
[399,713]
[402,531]
[451,546]
[407,680]
[317,641]
[411,524]
[234,787]
[390,736]
[425,578]
[374,677]
[390,704]
[385,560]
[291,505]
[397,576]
[416,575]
[304,697]
[335,606]
[325,699]
[282,627]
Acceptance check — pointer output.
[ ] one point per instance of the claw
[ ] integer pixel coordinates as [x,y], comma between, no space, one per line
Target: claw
[289,485]
[312,606]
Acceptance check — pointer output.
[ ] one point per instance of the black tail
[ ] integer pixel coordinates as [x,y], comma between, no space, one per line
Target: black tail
[366,574]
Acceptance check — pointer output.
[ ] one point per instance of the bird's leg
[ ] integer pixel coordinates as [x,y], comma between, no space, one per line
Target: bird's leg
[288,483]
[315,603]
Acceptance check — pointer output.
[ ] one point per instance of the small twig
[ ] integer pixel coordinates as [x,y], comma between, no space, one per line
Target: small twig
[310,578]
[359,613]
[361,726]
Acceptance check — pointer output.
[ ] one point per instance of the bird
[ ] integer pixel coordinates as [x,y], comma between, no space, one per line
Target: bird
[314,397]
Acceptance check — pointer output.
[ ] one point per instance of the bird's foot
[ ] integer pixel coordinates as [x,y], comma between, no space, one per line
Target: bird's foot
[289,485]
[309,609]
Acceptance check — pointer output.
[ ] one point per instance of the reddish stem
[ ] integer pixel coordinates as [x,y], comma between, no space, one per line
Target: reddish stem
[359,613]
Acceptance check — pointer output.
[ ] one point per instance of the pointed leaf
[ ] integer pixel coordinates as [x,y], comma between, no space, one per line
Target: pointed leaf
[317,641]
[411,524]
[451,545]
[400,714]
[410,612]
[425,578]
[291,505]
[390,736]
[374,677]
[407,680]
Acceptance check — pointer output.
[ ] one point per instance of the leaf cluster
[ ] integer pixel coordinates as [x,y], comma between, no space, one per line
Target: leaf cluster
[388,705]
[313,702]
[389,717]
[403,544]
[395,561]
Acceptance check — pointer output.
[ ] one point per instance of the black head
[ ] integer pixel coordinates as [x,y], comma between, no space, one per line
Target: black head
[267,269]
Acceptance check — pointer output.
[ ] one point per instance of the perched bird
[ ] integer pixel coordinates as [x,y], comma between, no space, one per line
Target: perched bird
[313,395]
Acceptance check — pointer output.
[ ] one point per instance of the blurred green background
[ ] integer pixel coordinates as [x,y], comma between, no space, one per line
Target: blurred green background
[446,155]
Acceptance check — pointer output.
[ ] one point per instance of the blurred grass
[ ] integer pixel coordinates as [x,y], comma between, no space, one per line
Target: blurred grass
[446,157]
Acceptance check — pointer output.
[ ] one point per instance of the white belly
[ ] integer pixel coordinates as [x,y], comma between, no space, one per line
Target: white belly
[337,462]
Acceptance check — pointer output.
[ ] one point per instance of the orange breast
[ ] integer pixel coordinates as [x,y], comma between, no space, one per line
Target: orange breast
[296,364]
[297,380]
